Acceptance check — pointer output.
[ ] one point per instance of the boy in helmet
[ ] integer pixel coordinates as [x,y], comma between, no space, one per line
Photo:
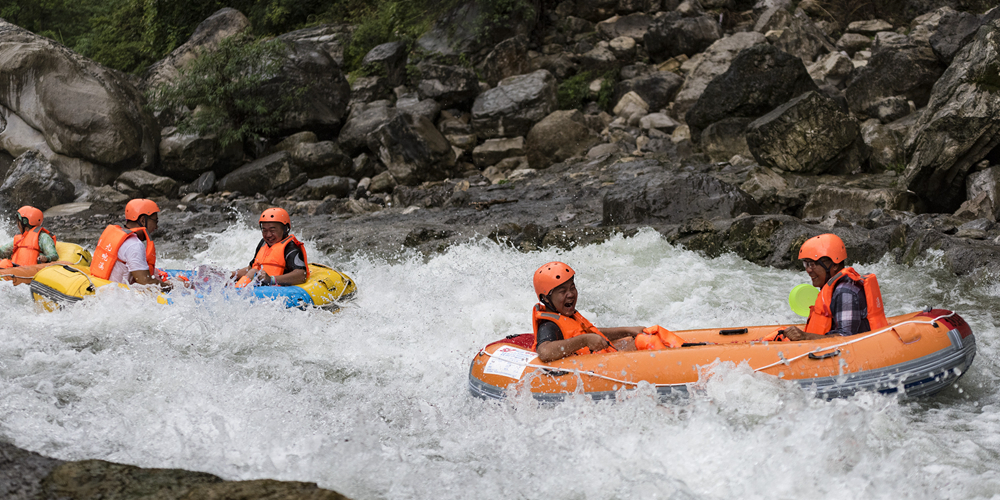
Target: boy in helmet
[848,303]
[280,258]
[128,255]
[35,244]
[560,330]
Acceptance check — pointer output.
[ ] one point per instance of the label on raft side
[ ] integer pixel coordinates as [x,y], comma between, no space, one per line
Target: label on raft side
[508,361]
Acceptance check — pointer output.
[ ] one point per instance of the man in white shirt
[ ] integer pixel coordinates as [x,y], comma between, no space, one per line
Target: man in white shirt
[127,255]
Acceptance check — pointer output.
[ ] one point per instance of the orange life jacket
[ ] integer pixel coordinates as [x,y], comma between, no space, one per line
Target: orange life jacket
[26,248]
[570,326]
[821,318]
[271,259]
[106,254]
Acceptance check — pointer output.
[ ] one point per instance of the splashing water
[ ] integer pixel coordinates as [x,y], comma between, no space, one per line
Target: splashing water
[373,401]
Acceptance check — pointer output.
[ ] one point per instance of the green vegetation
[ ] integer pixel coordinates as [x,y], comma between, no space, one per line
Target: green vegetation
[234,92]
[574,91]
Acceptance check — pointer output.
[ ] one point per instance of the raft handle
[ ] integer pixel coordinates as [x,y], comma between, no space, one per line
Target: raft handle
[555,373]
[733,331]
[813,355]
[692,344]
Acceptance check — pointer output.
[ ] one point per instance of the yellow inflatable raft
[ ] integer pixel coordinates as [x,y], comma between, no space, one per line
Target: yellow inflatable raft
[69,254]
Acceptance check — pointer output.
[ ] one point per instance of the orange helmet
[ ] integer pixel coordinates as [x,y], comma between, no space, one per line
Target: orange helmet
[140,206]
[550,276]
[30,216]
[824,245]
[276,215]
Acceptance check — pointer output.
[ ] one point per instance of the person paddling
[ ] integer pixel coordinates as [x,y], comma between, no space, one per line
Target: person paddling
[35,244]
[127,254]
[280,258]
[560,330]
[848,303]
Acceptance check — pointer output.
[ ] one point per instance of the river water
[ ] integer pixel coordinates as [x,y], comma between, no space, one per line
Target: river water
[373,401]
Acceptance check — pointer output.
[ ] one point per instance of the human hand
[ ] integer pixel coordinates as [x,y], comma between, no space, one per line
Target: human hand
[794,333]
[595,342]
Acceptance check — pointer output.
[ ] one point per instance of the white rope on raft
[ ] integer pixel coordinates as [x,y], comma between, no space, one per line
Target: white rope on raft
[780,362]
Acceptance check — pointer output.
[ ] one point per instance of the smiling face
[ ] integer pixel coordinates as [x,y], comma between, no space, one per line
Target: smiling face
[272,232]
[563,298]
[816,272]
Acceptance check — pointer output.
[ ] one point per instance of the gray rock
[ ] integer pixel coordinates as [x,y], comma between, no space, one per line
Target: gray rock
[383,183]
[985,187]
[657,89]
[319,188]
[600,59]
[508,58]
[714,62]
[759,79]
[187,156]
[633,26]
[955,30]
[366,166]
[321,159]
[562,65]
[33,181]
[886,145]
[450,86]
[573,26]
[261,175]
[81,109]
[362,121]
[289,143]
[726,138]
[801,38]
[829,197]
[658,121]
[412,105]
[412,149]
[514,105]
[207,36]
[833,68]
[388,60]
[671,37]
[809,134]
[596,10]
[909,72]
[205,184]
[453,33]
[22,472]
[330,38]
[853,42]
[559,136]
[891,108]
[492,151]
[142,184]
[323,106]
[960,126]
[869,27]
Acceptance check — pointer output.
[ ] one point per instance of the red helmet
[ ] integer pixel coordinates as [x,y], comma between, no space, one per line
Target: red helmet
[824,245]
[30,216]
[140,206]
[276,215]
[550,276]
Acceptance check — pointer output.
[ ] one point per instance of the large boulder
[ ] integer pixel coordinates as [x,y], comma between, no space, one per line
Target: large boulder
[801,38]
[985,184]
[759,79]
[82,109]
[955,30]
[670,198]
[388,60]
[319,188]
[322,159]
[726,138]
[330,38]
[514,105]
[450,86]
[559,136]
[810,134]
[672,36]
[714,62]
[412,149]
[206,37]
[261,175]
[508,58]
[833,68]
[961,124]
[187,156]
[657,89]
[33,181]
[362,121]
[453,33]
[862,201]
[142,184]
[321,108]
[903,69]
[492,151]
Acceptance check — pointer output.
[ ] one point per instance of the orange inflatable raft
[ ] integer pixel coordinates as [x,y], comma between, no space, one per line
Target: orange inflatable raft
[918,354]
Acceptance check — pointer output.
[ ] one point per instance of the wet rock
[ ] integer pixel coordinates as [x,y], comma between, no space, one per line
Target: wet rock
[492,151]
[759,79]
[514,105]
[508,58]
[714,62]
[960,125]
[420,236]
[412,149]
[142,184]
[828,197]
[33,181]
[726,138]
[82,109]
[362,121]
[187,156]
[633,26]
[671,36]
[320,159]
[559,136]
[388,60]
[657,89]
[809,134]
[909,71]
[262,175]
[985,187]
[207,36]
[22,472]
